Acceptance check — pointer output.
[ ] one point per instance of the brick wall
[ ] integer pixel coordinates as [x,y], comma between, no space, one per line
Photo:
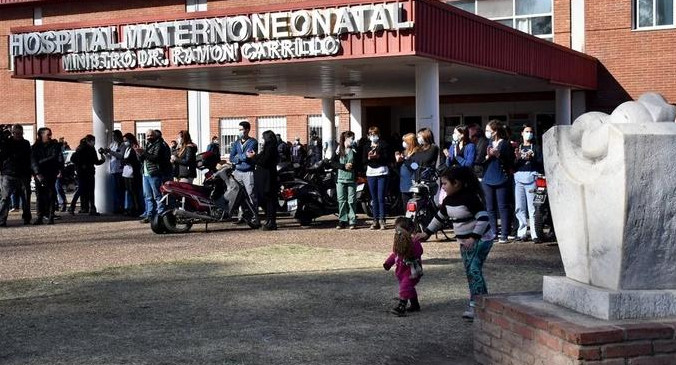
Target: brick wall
[506,332]
[634,62]
[17,104]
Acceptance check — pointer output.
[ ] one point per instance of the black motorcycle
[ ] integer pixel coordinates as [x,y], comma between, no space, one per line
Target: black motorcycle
[393,203]
[312,196]
[422,207]
[544,226]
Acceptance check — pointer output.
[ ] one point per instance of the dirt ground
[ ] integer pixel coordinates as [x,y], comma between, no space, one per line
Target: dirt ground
[96,290]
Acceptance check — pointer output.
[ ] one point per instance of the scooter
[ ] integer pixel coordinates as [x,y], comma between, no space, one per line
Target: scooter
[312,196]
[544,225]
[217,201]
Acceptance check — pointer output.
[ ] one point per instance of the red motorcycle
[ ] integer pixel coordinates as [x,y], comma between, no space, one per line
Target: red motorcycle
[217,201]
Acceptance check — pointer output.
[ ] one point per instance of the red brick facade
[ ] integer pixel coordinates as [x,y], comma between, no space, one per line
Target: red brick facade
[636,62]
[509,332]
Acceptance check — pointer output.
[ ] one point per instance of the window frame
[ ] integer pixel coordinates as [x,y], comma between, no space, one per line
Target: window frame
[225,140]
[635,20]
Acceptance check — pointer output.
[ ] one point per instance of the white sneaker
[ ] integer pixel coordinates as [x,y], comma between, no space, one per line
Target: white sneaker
[13,210]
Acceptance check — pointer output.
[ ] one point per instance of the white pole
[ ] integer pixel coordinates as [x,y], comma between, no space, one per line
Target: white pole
[328,126]
[427,97]
[102,118]
[356,125]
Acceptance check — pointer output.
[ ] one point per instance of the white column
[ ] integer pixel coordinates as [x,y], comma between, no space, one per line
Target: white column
[355,119]
[39,84]
[199,125]
[328,126]
[102,117]
[427,97]
[577,24]
[563,106]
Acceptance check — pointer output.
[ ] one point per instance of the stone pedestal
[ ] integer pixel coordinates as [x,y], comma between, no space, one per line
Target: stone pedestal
[609,304]
[523,329]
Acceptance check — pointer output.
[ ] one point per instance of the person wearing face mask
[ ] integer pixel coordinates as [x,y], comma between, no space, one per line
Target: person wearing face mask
[407,160]
[497,177]
[85,159]
[429,152]
[345,161]
[462,151]
[131,173]
[214,147]
[528,165]
[265,177]
[376,155]
[185,158]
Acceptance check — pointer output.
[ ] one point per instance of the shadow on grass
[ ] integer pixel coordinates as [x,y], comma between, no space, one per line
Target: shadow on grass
[199,313]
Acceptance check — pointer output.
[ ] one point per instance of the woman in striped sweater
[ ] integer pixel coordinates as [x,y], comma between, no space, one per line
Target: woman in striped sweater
[464,205]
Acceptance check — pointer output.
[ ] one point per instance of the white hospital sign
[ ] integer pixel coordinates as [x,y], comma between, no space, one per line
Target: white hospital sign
[267,36]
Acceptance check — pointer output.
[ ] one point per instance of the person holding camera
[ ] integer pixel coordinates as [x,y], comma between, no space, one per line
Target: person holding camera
[86,160]
[15,172]
[47,163]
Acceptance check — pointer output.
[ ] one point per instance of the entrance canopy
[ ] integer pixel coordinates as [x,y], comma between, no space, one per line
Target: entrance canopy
[328,49]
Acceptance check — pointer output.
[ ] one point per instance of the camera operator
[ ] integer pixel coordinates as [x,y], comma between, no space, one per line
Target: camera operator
[47,163]
[85,161]
[15,171]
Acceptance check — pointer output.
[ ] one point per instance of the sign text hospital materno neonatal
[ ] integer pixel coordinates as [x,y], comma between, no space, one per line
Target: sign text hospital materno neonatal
[255,37]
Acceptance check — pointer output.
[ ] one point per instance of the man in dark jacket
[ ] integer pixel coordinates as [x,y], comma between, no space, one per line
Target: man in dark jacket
[47,163]
[15,172]
[154,168]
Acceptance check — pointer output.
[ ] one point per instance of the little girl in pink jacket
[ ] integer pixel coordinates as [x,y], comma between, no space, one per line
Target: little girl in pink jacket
[406,254]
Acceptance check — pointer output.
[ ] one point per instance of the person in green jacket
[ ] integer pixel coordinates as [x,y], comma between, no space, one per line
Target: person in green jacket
[345,162]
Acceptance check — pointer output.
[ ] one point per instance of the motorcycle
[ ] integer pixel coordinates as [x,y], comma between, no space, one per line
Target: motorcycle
[422,207]
[393,203]
[312,196]
[217,201]
[544,226]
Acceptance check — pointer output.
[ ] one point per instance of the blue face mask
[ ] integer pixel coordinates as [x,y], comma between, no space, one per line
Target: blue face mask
[528,136]
[240,134]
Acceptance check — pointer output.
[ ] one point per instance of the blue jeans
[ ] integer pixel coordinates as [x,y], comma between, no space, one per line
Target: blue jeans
[378,187]
[60,193]
[497,200]
[151,192]
[524,184]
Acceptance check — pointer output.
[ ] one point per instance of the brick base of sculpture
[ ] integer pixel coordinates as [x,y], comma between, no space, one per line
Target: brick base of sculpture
[523,329]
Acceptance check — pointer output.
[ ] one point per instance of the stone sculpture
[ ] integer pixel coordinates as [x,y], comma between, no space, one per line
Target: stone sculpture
[612,189]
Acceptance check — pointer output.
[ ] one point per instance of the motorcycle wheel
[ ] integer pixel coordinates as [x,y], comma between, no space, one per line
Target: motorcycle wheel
[171,225]
[542,222]
[366,208]
[249,215]
[157,225]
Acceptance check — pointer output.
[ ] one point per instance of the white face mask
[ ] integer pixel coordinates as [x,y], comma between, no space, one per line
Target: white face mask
[489,135]
[349,143]
[240,134]
[421,141]
[179,141]
[374,139]
[456,138]
[126,143]
[295,143]
[404,144]
[528,136]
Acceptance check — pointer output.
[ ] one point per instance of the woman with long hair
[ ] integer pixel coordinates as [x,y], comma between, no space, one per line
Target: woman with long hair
[462,151]
[376,158]
[344,161]
[185,158]
[497,179]
[408,160]
[265,178]
[131,173]
[528,165]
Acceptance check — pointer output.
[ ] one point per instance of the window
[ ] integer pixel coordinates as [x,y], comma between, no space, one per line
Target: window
[142,127]
[314,124]
[653,13]
[529,16]
[29,132]
[117,126]
[275,124]
[229,128]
